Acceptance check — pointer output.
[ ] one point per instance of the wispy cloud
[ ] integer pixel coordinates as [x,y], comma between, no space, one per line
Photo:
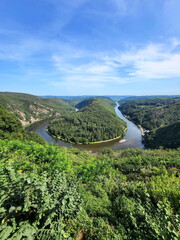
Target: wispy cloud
[153,61]
[70,66]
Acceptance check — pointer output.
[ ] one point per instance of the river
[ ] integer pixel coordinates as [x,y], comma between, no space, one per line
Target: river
[132,139]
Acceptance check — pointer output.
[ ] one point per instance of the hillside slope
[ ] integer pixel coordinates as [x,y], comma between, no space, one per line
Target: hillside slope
[160,116]
[29,108]
[11,128]
[95,121]
[167,137]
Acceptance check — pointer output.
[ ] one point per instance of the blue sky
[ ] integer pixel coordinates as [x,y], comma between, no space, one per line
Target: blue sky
[90,47]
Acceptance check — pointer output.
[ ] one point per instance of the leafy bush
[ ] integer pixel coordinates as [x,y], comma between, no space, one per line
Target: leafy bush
[37,206]
[51,192]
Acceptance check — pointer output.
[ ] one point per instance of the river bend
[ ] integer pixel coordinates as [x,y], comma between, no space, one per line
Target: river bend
[132,139]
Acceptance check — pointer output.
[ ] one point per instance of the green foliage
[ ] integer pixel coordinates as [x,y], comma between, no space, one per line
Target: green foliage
[37,206]
[27,156]
[134,211]
[9,123]
[11,128]
[95,121]
[166,137]
[153,113]
[161,116]
[166,187]
[48,192]
[85,103]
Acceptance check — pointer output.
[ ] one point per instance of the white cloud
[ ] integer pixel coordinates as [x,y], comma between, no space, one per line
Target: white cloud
[168,68]
[67,65]
[153,61]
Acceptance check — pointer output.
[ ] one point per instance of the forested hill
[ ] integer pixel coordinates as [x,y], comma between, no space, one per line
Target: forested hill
[29,108]
[167,137]
[153,113]
[95,121]
[107,103]
[84,103]
[160,116]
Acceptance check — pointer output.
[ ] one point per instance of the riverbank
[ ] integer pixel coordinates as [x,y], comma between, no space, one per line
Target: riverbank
[109,140]
[141,129]
[132,135]
[89,143]
[104,141]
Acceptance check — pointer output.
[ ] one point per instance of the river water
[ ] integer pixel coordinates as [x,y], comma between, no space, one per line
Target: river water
[132,139]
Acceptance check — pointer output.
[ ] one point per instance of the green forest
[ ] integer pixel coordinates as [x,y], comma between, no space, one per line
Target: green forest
[55,193]
[94,121]
[161,116]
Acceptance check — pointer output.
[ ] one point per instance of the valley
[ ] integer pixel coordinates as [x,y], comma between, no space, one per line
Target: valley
[133,138]
[59,192]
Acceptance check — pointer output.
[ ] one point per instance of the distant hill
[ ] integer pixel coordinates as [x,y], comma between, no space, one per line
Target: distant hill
[133,98]
[106,103]
[95,121]
[29,108]
[161,116]
[122,98]
[84,103]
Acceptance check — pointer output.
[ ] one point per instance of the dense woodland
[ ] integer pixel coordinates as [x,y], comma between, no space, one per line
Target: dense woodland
[95,121]
[166,137]
[50,192]
[161,116]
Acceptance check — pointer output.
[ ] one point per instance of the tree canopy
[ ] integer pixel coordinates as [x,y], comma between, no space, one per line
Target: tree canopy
[95,121]
[161,116]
